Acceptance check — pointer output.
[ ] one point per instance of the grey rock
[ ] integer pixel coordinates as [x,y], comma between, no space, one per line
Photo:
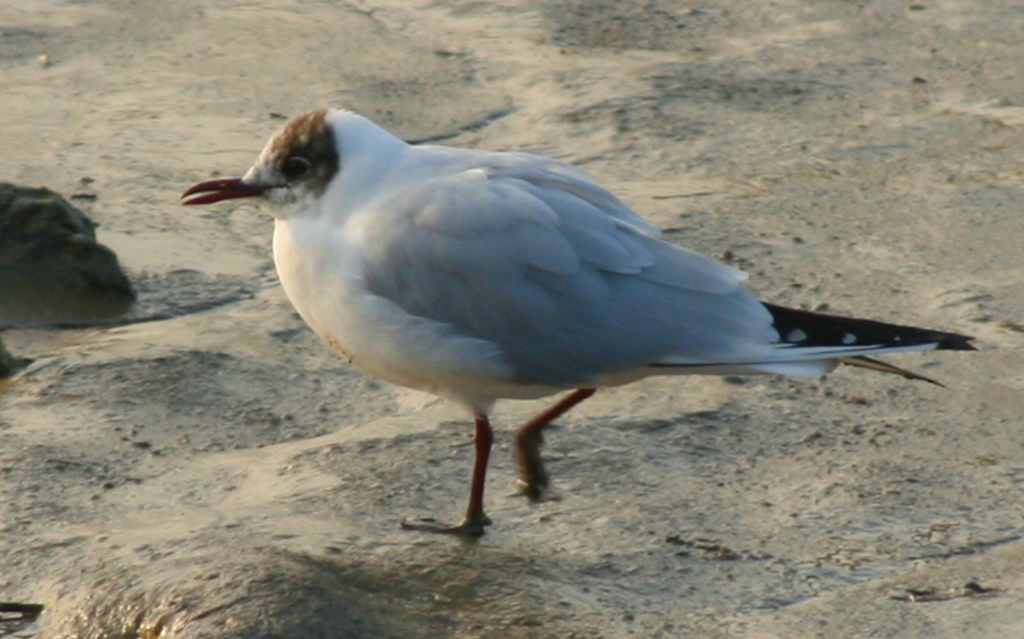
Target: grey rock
[8,363]
[51,267]
[257,593]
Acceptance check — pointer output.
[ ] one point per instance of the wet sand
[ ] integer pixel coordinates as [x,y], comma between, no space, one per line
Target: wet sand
[206,468]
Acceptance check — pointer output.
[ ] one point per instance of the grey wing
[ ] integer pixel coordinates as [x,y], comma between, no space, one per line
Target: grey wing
[568,282]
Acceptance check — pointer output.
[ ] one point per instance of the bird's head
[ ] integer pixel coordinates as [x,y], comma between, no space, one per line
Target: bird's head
[295,167]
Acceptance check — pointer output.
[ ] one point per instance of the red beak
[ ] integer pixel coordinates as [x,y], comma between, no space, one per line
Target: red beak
[217,190]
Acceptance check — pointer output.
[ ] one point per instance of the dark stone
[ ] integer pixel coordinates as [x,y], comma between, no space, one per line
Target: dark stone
[51,267]
[8,363]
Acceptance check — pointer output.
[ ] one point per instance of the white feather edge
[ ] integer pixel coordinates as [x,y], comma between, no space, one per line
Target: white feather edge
[786,355]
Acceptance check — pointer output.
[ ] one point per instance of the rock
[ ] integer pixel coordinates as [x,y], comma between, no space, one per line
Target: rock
[51,267]
[8,363]
[251,593]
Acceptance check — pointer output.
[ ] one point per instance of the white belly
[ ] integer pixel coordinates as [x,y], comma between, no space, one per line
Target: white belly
[322,276]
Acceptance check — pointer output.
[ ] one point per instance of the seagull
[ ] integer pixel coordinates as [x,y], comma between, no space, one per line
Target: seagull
[479,276]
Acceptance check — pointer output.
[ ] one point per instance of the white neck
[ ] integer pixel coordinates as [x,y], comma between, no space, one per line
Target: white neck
[368,154]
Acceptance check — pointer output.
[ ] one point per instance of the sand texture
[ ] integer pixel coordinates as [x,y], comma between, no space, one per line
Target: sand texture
[204,467]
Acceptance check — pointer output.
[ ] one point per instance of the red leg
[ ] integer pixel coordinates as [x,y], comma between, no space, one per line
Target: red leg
[484,437]
[533,479]
[475,520]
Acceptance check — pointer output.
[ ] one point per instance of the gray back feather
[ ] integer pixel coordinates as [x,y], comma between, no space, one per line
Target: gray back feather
[560,274]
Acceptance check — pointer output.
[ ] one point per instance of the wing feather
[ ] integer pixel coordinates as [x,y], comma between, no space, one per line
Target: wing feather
[546,265]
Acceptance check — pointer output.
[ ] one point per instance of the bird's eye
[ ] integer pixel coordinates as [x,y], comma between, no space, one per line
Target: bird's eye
[295,167]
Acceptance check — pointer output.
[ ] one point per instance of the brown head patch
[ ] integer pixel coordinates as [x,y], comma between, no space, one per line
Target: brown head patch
[308,136]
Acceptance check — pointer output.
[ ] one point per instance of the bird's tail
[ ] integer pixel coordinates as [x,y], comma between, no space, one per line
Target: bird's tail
[812,344]
[847,339]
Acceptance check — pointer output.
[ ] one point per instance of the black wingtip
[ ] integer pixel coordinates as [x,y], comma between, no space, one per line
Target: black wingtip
[955,342]
[822,329]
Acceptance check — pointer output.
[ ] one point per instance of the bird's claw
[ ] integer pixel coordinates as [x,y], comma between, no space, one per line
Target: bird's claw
[469,527]
[535,491]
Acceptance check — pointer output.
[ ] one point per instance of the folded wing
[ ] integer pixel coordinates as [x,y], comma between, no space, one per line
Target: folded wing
[566,280]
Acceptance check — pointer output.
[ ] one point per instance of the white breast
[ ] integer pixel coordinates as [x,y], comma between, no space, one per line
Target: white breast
[321,271]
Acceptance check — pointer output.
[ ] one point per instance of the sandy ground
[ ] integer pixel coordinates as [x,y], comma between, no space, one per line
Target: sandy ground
[208,469]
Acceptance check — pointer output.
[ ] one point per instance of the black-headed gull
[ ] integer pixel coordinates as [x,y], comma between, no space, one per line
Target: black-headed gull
[480,276]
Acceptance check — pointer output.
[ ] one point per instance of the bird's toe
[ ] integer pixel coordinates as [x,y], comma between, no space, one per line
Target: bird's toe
[470,527]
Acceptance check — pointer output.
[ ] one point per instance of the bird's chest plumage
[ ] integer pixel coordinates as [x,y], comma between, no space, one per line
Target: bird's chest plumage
[320,282]
[322,273]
